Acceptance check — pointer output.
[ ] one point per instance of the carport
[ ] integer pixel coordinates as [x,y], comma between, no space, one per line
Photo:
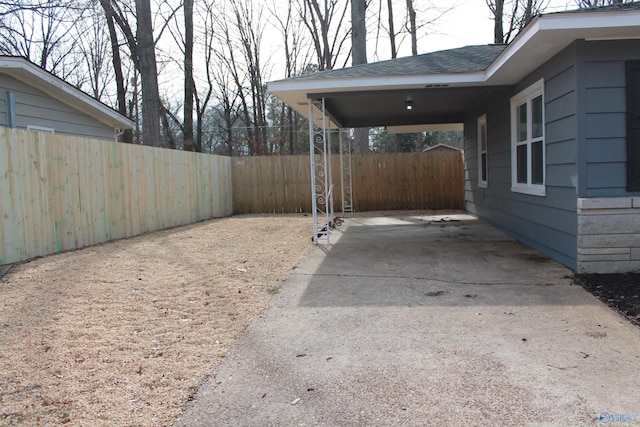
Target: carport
[541,160]
[423,93]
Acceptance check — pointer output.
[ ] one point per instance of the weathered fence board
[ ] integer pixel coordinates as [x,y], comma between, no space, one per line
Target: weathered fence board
[429,180]
[59,192]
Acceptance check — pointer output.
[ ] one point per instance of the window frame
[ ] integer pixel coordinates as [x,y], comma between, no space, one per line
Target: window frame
[41,128]
[526,98]
[483,167]
[633,125]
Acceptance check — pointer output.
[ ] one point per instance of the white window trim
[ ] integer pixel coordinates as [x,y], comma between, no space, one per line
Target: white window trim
[482,121]
[526,96]
[40,128]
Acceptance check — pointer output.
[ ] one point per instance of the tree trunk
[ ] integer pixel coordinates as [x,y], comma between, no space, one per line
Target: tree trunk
[151,105]
[188,76]
[412,27]
[127,136]
[359,56]
[392,31]
[498,16]
[358,32]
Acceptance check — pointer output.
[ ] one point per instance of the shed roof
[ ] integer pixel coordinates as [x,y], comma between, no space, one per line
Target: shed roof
[26,71]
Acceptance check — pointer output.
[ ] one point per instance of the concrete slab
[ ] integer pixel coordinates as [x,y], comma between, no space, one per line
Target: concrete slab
[426,320]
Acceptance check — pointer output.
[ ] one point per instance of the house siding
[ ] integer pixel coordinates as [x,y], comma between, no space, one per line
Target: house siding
[603,95]
[547,223]
[36,108]
[608,214]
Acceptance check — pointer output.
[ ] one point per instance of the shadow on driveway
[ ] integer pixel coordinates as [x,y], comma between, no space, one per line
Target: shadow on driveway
[437,260]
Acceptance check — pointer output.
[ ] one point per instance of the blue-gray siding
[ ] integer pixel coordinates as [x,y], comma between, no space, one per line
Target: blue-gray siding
[36,108]
[548,223]
[603,120]
[585,136]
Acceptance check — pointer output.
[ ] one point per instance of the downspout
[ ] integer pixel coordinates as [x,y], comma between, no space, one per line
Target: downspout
[118,133]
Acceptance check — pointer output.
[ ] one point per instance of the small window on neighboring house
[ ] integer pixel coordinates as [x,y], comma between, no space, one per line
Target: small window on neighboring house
[633,125]
[527,141]
[40,128]
[483,167]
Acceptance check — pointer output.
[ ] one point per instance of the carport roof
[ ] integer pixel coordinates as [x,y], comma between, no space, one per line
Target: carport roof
[467,59]
[444,85]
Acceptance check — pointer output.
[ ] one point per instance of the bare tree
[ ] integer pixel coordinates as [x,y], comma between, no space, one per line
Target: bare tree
[45,35]
[359,56]
[94,49]
[392,32]
[412,27]
[516,13]
[358,32]
[189,85]
[147,67]
[116,62]
[327,28]
[249,30]
[238,53]
[296,54]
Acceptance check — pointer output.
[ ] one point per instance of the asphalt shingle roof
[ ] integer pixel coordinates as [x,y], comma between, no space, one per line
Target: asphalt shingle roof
[466,59]
[616,7]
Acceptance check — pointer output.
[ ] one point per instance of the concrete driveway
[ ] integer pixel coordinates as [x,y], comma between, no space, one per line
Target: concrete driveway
[427,320]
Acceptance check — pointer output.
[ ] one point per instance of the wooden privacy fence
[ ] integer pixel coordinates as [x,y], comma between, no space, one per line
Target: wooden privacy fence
[59,192]
[429,180]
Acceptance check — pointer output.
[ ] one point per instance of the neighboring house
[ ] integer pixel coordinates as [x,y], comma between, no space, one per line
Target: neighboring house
[32,98]
[551,124]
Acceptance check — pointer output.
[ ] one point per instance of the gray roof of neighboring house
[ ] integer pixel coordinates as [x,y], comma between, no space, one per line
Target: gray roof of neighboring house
[466,59]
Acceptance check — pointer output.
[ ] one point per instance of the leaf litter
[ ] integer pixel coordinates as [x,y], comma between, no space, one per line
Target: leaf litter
[123,333]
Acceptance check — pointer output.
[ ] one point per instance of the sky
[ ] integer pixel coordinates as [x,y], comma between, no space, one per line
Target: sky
[467,22]
[470,23]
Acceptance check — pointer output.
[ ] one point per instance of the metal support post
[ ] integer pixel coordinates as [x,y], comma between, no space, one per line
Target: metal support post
[320,184]
[345,175]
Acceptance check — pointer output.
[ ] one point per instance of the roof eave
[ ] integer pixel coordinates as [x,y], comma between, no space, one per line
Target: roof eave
[547,35]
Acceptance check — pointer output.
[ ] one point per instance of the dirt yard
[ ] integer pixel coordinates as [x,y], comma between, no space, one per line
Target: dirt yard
[123,333]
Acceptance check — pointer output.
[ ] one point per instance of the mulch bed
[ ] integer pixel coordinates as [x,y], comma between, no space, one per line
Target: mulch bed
[619,291]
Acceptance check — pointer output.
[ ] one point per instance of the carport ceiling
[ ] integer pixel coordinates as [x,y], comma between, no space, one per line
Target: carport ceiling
[389,108]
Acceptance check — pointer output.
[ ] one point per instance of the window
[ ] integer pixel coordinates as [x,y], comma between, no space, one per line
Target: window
[483,167]
[527,141]
[40,128]
[633,126]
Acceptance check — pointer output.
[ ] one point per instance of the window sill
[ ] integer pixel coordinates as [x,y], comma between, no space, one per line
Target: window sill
[482,184]
[539,190]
